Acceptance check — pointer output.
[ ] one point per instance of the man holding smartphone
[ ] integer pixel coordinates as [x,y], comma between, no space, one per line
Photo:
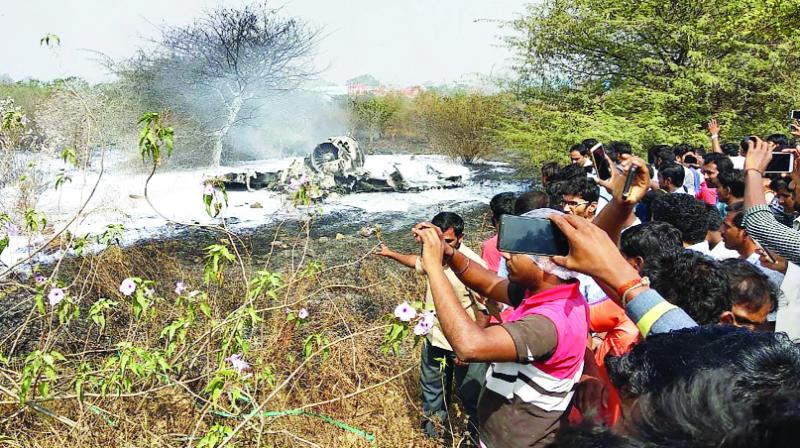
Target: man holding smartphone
[435,382]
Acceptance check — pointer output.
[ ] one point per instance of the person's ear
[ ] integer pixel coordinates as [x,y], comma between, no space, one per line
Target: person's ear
[727,318]
[637,263]
[591,208]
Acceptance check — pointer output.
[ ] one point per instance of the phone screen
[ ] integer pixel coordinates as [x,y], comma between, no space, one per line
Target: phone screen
[537,236]
[782,162]
[795,115]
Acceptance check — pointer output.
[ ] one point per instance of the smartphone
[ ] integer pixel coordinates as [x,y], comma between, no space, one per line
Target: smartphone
[766,252]
[782,162]
[794,115]
[536,236]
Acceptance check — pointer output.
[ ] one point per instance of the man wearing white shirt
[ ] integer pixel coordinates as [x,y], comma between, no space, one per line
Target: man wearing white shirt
[736,238]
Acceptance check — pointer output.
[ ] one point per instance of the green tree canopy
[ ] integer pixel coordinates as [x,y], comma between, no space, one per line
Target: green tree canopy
[655,71]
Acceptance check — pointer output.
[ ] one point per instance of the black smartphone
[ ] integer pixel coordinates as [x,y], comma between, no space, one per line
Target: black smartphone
[536,236]
[794,115]
[782,162]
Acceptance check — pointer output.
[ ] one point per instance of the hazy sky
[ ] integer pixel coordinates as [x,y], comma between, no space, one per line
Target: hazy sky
[401,42]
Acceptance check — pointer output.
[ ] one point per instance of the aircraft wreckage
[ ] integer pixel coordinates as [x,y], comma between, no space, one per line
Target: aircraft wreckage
[337,166]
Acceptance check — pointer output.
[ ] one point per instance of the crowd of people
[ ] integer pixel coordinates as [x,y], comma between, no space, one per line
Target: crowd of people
[671,322]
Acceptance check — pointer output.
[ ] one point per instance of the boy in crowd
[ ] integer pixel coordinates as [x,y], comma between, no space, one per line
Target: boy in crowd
[501,204]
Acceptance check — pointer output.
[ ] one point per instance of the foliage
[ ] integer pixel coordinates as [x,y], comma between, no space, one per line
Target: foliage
[647,72]
[462,125]
[153,137]
[372,116]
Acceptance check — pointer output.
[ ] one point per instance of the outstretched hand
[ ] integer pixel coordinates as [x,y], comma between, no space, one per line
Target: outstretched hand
[433,246]
[383,251]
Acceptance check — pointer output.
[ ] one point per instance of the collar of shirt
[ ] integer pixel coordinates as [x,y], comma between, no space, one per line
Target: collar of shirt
[701,247]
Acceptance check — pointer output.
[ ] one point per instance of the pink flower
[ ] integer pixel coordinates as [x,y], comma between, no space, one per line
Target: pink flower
[127,287]
[238,364]
[209,190]
[405,312]
[40,279]
[55,296]
[302,314]
[295,184]
[421,329]
[180,288]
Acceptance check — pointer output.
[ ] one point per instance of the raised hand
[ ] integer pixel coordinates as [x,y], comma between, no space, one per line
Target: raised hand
[759,154]
[639,186]
[433,246]
[713,127]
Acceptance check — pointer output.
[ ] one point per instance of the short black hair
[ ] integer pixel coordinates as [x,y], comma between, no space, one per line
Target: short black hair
[651,239]
[583,187]
[748,285]
[693,282]
[616,148]
[737,208]
[682,148]
[732,180]
[589,143]
[664,154]
[684,212]
[673,172]
[730,149]
[781,140]
[779,183]
[583,150]
[654,150]
[502,204]
[531,200]
[714,218]
[446,220]
[722,161]
[549,169]
[767,360]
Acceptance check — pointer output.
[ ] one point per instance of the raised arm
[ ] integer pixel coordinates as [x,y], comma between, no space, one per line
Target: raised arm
[407,260]
[617,214]
[593,253]
[470,342]
[713,129]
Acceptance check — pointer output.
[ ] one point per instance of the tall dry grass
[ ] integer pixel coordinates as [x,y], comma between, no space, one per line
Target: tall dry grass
[346,291]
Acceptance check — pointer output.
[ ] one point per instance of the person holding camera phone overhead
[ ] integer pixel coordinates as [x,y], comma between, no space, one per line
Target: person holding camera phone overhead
[537,354]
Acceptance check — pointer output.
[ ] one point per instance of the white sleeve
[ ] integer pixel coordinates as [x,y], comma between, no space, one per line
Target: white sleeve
[788,319]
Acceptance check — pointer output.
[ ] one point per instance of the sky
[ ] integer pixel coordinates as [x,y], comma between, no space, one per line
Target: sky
[401,43]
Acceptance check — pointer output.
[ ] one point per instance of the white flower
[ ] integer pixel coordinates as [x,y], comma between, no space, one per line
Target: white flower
[127,287]
[55,296]
[428,317]
[238,364]
[405,312]
[209,190]
[421,329]
[40,279]
[12,229]
[180,288]
[148,292]
[302,314]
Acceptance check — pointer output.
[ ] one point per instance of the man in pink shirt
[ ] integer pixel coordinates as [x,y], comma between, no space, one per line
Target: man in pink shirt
[500,205]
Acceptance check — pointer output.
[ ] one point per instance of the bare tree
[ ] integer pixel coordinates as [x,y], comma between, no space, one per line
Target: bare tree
[219,69]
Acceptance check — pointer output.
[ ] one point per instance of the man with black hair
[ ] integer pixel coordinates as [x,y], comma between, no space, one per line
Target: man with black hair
[436,381]
[621,151]
[670,178]
[713,163]
[531,200]
[731,187]
[501,204]
[714,236]
[736,238]
[779,141]
[692,281]
[753,296]
[648,241]
[579,196]
[579,155]
[549,170]
[785,199]
[688,215]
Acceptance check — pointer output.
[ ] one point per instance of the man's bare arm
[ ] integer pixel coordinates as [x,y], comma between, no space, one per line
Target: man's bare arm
[406,260]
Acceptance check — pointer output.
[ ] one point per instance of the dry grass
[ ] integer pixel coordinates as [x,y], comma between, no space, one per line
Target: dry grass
[356,384]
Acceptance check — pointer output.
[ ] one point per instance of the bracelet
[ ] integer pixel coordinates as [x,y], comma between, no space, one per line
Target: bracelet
[621,290]
[465,267]
[760,173]
[644,282]
[714,136]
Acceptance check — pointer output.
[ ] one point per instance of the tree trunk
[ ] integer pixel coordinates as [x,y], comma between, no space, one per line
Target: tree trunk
[219,135]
